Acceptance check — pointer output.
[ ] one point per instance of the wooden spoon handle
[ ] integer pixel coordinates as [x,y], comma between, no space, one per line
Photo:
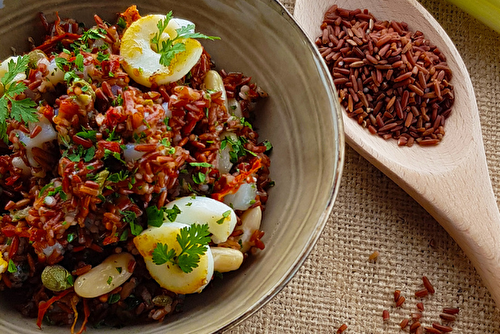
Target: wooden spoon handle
[463,202]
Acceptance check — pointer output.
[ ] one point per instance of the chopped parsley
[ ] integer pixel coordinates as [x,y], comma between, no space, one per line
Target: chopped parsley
[119,269]
[87,134]
[155,215]
[121,23]
[200,164]
[109,280]
[12,268]
[45,187]
[268,145]
[113,298]
[58,190]
[193,241]
[172,213]
[135,229]
[116,155]
[71,236]
[237,148]
[124,235]
[118,177]
[102,56]
[199,178]
[224,216]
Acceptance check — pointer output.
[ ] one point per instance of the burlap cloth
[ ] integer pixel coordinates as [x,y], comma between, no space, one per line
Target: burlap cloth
[337,284]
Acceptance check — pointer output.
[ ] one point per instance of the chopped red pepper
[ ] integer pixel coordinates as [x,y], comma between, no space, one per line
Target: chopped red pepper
[233,186]
[66,39]
[44,306]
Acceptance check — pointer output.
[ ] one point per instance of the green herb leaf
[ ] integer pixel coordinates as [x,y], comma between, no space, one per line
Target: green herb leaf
[268,145]
[102,56]
[87,134]
[162,255]
[224,216]
[121,23]
[200,164]
[124,235]
[45,187]
[135,229]
[170,48]
[59,191]
[119,269]
[193,241]
[109,280]
[12,268]
[69,280]
[71,236]
[79,62]
[155,216]
[172,213]
[21,110]
[199,178]
[89,154]
[113,298]
[118,177]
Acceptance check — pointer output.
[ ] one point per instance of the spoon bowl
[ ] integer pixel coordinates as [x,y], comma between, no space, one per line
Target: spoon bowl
[450,180]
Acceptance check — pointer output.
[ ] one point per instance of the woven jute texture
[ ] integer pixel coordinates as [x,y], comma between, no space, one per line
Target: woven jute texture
[337,284]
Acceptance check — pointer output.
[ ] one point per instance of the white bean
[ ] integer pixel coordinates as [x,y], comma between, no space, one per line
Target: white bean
[226,259]
[250,222]
[105,277]
[213,81]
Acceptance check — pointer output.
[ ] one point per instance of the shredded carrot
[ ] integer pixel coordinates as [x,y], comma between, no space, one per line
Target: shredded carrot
[86,313]
[74,302]
[44,306]
[233,186]
[7,281]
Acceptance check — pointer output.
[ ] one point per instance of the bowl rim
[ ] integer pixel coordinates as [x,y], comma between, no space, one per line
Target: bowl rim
[334,186]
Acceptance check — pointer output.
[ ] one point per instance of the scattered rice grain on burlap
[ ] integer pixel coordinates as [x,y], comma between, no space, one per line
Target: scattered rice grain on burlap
[337,284]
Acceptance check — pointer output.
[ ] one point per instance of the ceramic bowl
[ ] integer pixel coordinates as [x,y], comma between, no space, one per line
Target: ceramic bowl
[301,118]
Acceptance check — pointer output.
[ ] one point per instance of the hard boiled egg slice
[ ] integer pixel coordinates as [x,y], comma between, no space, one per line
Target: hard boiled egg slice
[168,275]
[220,218]
[142,62]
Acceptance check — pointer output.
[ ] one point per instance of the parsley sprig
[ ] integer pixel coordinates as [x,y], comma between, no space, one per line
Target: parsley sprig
[20,110]
[193,241]
[170,48]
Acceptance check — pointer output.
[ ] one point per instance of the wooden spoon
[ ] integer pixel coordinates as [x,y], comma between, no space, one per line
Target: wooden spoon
[449,180]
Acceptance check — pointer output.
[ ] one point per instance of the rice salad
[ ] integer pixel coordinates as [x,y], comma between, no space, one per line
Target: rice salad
[130,172]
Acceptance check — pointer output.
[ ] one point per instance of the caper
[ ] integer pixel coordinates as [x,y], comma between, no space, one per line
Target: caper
[56,278]
[87,95]
[35,57]
[162,300]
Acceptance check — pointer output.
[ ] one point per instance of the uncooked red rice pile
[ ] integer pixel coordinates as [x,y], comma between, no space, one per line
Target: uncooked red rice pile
[392,81]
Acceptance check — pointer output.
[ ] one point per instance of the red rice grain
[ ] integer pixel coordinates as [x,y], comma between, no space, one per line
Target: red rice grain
[420,307]
[342,328]
[385,315]
[453,311]
[397,294]
[404,323]
[400,301]
[442,328]
[414,326]
[421,293]
[447,317]
[432,330]
[427,284]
